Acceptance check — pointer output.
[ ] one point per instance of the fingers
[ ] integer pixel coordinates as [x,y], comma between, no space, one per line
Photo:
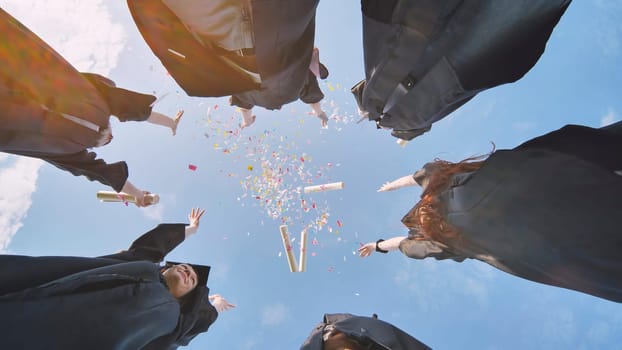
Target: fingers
[365,250]
[140,199]
[196,213]
[385,187]
[220,303]
[200,213]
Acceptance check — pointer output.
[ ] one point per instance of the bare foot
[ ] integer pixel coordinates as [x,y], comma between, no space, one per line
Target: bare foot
[247,121]
[323,119]
[178,116]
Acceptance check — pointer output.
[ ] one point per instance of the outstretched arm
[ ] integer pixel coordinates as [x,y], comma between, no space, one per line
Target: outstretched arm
[129,188]
[155,244]
[405,181]
[386,246]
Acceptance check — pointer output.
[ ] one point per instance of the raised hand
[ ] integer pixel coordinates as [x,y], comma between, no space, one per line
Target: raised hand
[367,249]
[194,219]
[220,303]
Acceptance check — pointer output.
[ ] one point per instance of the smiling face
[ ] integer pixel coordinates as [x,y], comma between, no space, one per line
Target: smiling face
[181,279]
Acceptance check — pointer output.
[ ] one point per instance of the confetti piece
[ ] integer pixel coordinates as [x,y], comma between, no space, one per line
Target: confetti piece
[192,167]
[313,254]
[339,223]
[249,168]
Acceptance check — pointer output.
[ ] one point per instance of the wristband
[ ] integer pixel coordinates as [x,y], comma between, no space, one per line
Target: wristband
[378,249]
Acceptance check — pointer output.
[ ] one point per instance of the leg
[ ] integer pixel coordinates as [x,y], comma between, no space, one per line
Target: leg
[163,120]
[248,116]
[317,109]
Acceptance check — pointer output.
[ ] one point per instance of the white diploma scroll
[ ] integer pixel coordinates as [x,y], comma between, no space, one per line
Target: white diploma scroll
[111,196]
[326,187]
[291,260]
[302,263]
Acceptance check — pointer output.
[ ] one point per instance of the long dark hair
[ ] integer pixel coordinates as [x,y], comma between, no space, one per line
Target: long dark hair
[426,217]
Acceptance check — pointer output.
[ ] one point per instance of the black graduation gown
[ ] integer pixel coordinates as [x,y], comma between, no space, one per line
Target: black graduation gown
[38,86]
[382,334]
[283,64]
[546,211]
[424,59]
[201,71]
[116,301]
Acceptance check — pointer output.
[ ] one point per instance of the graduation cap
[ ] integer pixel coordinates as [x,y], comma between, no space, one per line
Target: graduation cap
[197,312]
[202,271]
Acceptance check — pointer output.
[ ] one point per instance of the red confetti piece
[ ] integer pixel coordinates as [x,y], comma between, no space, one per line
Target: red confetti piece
[122,199]
[192,167]
[215,106]
[313,254]
[339,223]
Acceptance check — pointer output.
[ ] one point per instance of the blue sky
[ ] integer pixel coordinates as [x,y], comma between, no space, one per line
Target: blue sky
[44,211]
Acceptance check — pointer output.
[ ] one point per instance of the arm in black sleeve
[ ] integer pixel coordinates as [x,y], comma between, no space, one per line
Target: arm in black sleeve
[311,92]
[125,104]
[85,163]
[154,245]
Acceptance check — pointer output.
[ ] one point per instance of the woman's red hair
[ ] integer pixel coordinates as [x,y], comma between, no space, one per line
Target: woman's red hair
[427,216]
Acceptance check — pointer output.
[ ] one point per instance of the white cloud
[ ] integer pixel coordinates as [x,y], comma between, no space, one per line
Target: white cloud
[609,118]
[470,280]
[85,33]
[154,212]
[609,31]
[17,184]
[273,315]
[523,126]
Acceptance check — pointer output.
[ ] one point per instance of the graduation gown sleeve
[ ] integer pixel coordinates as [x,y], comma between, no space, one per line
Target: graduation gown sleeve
[85,163]
[415,248]
[154,245]
[124,104]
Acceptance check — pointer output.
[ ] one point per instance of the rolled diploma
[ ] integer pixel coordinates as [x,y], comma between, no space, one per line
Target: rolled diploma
[302,263]
[326,187]
[111,196]
[291,260]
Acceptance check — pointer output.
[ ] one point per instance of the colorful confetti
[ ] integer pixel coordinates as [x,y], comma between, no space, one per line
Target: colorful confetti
[276,168]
